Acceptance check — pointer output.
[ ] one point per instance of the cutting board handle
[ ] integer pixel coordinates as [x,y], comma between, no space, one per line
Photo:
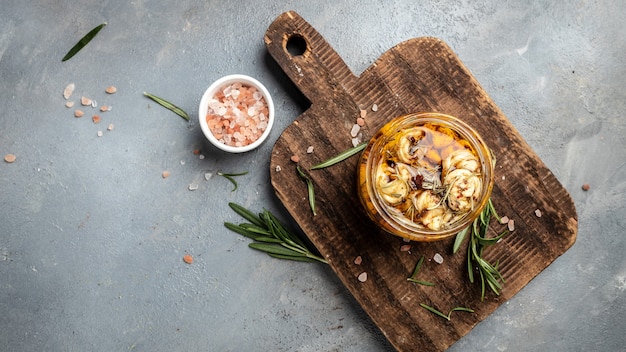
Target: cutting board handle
[309,61]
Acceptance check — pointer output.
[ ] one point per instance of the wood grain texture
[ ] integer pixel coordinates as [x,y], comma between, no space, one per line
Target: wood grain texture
[418,75]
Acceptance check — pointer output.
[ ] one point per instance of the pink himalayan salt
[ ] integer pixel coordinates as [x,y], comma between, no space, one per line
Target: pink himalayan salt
[237,115]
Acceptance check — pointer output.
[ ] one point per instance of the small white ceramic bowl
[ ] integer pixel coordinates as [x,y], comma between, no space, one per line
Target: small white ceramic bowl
[208,96]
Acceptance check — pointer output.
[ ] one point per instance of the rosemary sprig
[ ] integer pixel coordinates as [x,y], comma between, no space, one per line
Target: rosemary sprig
[449,315]
[230,177]
[271,236]
[166,104]
[415,271]
[310,188]
[340,157]
[83,41]
[478,241]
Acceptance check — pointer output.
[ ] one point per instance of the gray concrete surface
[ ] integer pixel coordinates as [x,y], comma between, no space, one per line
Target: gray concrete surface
[91,235]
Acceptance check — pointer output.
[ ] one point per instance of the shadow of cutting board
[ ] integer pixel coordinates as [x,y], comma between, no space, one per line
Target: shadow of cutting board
[421,74]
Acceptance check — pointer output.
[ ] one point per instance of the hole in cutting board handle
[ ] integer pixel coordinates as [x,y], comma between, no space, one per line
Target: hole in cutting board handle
[296,45]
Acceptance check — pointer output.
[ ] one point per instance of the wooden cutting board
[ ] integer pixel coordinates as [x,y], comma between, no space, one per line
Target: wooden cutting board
[418,75]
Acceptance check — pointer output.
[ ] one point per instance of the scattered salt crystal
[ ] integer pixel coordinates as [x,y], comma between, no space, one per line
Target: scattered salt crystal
[360,121]
[110,90]
[85,101]
[355,142]
[538,213]
[79,113]
[406,240]
[69,104]
[110,128]
[165,174]
[375,107]
[100,134]
[295,158]
[355,130]
[358,260]
[193,187]
[504,220]
[309,150]
[363,113]
[67,92]
[208,175]
[511,225]
[201,157]
[278,168]
[438,258]
[94,103]
[182,162]
[362,276]
[405,248]
[10,158]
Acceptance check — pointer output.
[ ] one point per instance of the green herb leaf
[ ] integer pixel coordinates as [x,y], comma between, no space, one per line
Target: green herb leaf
[310,189]
[420,282]
[230,177]
[340,157]
[298,259]
[415,271]
[459,239]
[83,41]
[448,316]
[246,214]
[166,104]
[274,249]
[271,236]
[240,230]
[489,274]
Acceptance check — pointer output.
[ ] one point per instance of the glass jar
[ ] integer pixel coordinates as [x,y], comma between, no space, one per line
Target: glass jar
[425,176]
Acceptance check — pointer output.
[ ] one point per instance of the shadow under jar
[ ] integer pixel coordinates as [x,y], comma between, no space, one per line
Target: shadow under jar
[425,176]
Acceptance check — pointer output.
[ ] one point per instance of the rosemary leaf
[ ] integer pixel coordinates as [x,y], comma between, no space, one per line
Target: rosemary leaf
[470,269]
[415,271]
[310,189]
[240,230]
[246,214]
[492,210]
[420,282]
[256,229]
[267,239]
[340,157]
[280,228]
[488,273]
[462,309]
[489,241]
[417,267]
[274,249]
[299,259]
[433,310]
[166,104]
[447,317]
[83,41]
[459,239]
[230,177]
[271,236]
